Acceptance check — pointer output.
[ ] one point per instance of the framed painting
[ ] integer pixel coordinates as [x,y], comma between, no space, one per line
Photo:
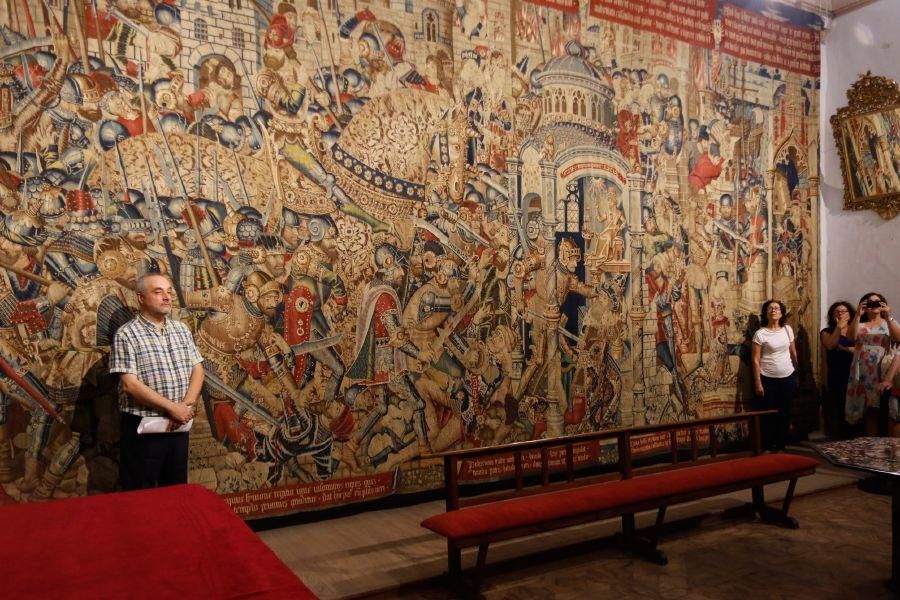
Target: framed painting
[867,135]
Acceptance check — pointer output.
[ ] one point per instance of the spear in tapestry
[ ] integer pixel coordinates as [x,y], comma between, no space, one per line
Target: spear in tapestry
[31,32]
[229,196]
[377,31]
[97,28]
[216,169]
[81,37]
[45,18]
[20,156]
[339,18]
[89,166]
[38,165]
[122,170]
[104,189]
[325,87]
[337,14]
[61,28]
[197,156]
[739,173]
[540,30]
[143,102]
[245,198]
[266,140]
[259,105]
[10,371]
[153,210]
[204,251]
[25,72]
[214,276]
[157,215]
[45,281]
[337,87]
[404,297]
[267,212]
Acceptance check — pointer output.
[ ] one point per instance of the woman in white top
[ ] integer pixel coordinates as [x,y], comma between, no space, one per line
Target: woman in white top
[774,372]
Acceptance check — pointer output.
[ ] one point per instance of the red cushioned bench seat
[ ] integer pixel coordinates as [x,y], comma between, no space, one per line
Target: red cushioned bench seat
[665,488]
[580,498]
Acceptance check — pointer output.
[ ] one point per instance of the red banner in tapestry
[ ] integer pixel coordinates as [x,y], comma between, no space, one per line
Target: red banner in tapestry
[752,36]
[504,465]
[686,20]
[569,6]
[307,496]
[658,442]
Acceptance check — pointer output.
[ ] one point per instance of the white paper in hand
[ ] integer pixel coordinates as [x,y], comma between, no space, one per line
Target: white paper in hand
[161,425]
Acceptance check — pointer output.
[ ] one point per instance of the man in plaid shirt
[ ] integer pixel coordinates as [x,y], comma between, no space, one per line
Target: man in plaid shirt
[162,375]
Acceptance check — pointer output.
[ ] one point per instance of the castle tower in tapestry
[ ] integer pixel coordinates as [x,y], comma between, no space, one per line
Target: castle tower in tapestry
[224,28]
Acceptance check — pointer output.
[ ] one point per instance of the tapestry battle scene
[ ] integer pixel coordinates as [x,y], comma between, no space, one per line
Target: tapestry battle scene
[396,227]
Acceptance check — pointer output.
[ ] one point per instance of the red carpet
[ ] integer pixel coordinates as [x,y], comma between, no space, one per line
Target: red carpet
[182,541]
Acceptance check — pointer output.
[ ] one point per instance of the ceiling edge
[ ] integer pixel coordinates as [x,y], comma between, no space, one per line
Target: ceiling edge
[851,7]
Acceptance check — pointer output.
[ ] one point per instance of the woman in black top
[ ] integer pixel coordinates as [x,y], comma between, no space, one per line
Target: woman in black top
[839,356]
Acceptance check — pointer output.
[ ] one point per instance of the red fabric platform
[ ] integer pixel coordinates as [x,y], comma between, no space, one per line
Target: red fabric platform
[181,541]
[529,510]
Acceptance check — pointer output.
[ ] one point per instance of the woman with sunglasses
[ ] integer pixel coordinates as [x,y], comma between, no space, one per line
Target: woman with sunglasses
[838,357]
[774,357]
[873,328]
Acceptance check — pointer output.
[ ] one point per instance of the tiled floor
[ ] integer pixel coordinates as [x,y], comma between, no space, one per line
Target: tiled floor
[842,550]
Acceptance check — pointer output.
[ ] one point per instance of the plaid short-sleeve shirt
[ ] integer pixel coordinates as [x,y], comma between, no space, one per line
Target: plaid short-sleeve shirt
[161,360]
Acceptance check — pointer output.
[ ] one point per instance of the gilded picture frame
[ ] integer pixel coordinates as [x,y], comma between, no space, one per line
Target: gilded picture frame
[867,136]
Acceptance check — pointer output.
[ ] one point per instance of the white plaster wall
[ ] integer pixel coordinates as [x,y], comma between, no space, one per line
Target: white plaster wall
[860,251]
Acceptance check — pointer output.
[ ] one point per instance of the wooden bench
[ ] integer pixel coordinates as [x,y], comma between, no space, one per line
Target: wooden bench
[691,471]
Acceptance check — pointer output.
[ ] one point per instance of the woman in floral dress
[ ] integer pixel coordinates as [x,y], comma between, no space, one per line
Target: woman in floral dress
[873,328]
[890,385]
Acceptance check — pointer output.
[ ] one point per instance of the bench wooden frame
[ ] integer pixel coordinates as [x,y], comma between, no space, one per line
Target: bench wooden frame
[646,547]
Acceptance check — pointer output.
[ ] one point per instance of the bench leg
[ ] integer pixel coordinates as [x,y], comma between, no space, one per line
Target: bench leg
[454,563]
[479,566]
[789,496]
[627,529]
[759,498]
[644,547]
[455,581]
[464,587]
[767,514]
[660,517]
[482,555]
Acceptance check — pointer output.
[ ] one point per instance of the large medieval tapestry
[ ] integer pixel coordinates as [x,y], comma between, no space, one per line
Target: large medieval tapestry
[395,227]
